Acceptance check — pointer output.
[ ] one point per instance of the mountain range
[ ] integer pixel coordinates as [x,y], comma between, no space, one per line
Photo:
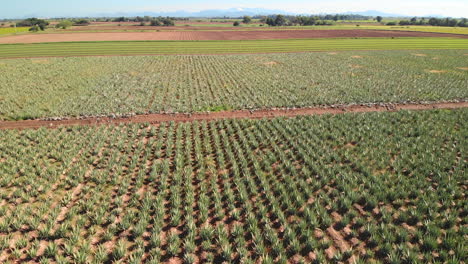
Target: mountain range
[239,12]
[232,12]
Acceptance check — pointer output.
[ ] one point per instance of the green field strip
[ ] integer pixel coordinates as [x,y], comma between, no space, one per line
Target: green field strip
[216,47]
[12,30]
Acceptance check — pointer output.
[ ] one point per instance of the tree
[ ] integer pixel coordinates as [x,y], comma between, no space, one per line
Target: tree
[247,20]
[379,19]
[280,20]
[463,22]
[404,23]
[452,23]
[155,23]
[433,21]
[30,22]
[81,22]
[35,28]
[64,24]
[120,19]
[167,22]
[270,21]
[236,23]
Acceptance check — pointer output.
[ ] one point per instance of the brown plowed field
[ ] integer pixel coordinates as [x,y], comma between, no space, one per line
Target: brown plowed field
[194,27]
[158,118]
[216,35]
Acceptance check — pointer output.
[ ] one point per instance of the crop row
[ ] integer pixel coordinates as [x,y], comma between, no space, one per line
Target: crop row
[222,47]
[52,87]
[382,187]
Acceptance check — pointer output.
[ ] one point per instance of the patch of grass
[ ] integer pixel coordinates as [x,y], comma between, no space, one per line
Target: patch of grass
[216,108]
[12,30]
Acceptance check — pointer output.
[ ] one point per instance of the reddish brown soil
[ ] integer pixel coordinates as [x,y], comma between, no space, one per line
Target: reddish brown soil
[171,28]
[178,22]
[215,35]
[241,114]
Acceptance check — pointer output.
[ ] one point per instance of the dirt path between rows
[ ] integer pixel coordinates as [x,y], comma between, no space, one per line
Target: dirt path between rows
[240,114]
[217,35]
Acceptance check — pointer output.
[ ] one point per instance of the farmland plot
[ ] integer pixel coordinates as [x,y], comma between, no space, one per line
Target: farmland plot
[388,187]
[116,48]
[57,87]
[12,30]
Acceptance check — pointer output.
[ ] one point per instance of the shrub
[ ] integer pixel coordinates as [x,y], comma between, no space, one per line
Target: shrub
[247,20]
[64,24]
[31,22]
[155,23]
[81,22]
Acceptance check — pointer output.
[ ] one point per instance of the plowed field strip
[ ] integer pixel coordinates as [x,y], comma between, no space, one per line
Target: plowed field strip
[158,118]
[218,35]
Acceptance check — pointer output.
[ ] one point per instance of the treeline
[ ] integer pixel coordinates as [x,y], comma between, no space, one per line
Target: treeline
[153,21]
[35,24]
[280,20]
[441,22]
[336,17]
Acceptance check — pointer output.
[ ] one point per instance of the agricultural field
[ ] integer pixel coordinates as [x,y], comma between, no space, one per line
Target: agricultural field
[57,87]
[307,189]
[70,49]
[218,26]
[433,29]
[12,30]
[203,142]
[206,35]
[450,30]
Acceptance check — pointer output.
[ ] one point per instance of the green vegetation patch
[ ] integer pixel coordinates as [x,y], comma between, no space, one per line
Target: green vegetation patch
[12,30]
[376,187]
[217,47]
[51,87]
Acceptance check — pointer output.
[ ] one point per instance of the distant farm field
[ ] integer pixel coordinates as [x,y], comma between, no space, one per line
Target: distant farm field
[357,188]
[52,87]
[223,47]
[11,30]
[256,27]
[449,30]
[216,35]
[217,26]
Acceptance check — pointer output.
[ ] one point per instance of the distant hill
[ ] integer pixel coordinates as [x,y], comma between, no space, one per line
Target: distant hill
[239,12]
[373,13]
[232,12]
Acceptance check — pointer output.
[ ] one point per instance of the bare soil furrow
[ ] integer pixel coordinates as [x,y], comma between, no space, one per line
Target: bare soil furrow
[238,114]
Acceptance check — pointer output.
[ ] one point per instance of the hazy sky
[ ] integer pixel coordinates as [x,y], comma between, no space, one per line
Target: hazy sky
[45,8]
